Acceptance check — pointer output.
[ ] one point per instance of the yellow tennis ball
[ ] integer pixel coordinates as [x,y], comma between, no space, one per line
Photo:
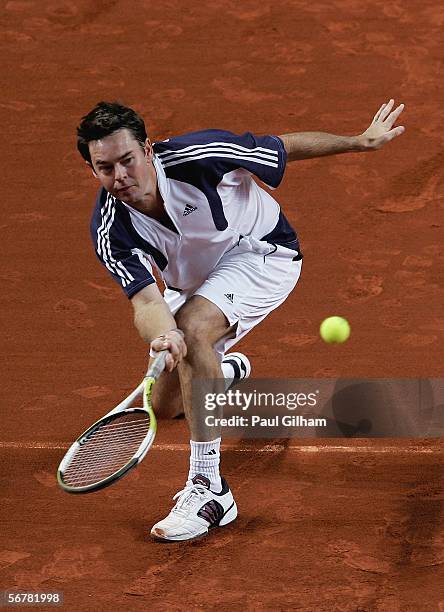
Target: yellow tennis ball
[334,330]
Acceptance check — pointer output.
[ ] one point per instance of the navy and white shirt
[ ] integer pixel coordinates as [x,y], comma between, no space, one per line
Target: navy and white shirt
[205,180]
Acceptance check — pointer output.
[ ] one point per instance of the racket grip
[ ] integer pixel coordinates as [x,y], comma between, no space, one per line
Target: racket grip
[157,366]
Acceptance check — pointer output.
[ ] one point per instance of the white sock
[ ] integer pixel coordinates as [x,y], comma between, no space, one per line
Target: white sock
[205,459]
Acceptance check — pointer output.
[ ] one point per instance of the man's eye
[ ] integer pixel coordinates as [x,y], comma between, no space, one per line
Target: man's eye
[128,160]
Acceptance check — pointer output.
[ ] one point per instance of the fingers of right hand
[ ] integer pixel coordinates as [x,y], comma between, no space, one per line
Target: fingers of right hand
[391,119]
[397,131]
[378,114]
[388,107]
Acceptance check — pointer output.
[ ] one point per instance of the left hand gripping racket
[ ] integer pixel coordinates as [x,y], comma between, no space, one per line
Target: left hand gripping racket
[114,444]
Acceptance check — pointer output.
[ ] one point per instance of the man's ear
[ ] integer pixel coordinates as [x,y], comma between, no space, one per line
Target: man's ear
[148,149]
[90,166]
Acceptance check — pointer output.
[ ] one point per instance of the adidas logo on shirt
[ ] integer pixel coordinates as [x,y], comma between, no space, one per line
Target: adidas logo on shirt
[188,210]
[229,296]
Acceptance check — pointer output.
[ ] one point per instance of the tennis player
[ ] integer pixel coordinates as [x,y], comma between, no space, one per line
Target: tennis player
[190,208]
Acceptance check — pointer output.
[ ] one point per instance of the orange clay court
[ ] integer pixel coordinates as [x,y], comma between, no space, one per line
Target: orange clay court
[330,525]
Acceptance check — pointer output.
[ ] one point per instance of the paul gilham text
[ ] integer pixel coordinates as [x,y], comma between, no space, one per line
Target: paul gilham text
[287,420]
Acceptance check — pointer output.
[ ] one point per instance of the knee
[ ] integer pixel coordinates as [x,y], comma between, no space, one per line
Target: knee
[202,322]
[196,330]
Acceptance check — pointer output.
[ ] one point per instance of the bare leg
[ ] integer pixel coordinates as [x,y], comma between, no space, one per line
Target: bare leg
[167,396]
[203,324]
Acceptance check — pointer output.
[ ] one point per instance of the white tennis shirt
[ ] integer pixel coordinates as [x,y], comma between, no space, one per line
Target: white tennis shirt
[206,182]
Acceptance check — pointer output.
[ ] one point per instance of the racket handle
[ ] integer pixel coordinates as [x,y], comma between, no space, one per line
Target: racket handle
[157,366]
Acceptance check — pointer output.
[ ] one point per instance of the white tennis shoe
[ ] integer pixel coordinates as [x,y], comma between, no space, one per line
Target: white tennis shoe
[240,365]
[196,511]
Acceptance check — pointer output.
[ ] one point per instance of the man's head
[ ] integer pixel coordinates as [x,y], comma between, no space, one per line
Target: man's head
[112,139]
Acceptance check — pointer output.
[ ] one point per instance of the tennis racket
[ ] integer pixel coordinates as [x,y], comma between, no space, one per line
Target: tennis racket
[114,444]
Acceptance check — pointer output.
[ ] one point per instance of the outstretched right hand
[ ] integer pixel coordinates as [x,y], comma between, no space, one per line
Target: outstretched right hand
[381,129]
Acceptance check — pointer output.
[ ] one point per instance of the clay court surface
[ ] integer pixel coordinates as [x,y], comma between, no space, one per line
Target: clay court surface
[324,525]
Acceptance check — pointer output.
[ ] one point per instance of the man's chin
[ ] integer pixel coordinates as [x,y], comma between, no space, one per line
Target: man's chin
[126,196]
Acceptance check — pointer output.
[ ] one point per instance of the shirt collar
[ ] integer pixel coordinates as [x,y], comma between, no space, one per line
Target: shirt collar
[161,178]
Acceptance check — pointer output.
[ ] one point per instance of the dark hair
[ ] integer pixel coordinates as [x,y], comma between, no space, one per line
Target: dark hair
[104,119]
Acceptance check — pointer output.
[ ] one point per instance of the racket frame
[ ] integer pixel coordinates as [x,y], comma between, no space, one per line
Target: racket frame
[144,388]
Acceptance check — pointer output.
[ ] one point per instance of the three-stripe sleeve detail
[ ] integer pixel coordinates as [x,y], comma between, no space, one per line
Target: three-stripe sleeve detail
[104,244]
[259,155]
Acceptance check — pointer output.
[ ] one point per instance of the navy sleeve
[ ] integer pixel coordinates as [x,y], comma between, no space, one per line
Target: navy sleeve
[221,152]
[115,248]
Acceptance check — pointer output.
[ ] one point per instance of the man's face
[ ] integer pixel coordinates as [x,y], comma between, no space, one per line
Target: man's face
[123,167]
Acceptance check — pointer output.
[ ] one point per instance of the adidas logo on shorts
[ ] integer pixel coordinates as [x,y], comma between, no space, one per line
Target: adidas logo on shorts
[229,296]
[188,210]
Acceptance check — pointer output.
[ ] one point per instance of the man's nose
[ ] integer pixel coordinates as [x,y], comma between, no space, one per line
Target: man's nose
[120,173]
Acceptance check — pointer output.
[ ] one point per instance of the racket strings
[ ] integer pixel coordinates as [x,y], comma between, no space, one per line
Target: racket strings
[107,449]
[113,432]
[102,449]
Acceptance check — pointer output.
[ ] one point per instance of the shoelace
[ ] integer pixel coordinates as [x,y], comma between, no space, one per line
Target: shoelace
[188,496]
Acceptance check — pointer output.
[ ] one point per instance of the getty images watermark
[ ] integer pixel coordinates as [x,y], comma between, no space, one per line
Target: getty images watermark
[243,401]
[324,408]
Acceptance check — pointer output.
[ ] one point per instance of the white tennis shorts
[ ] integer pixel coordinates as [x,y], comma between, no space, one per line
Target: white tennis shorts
[250,281]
